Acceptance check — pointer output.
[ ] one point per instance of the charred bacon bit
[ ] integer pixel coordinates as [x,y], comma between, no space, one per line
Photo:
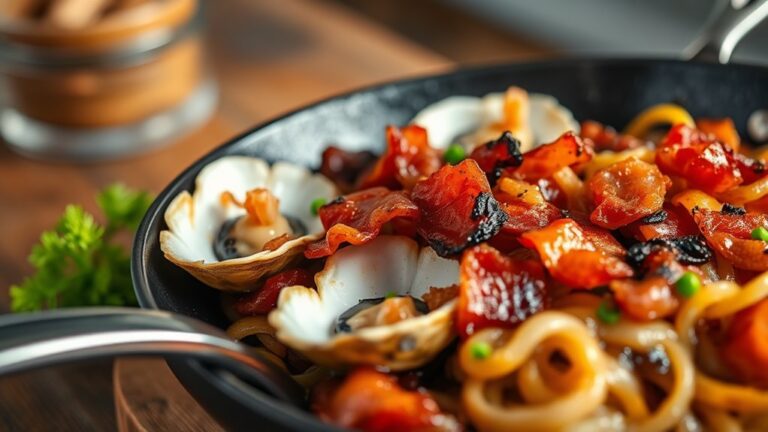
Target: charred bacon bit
[690,249]
[654,296]
[572,258]
[496,291]
[547,159]
[358,218]
[625,192]
[658,217]
[343,167]
[729,235]
[373,401]
[602,137]
[407,159]
[646,300]
[705,163]
[457,207]
[262,301]
[525,205]
[677,223]
[436,297]
[732,210]
[722,129]
[495,156]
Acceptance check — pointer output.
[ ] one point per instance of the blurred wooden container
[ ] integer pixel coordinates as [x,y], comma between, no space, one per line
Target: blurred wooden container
[78,69]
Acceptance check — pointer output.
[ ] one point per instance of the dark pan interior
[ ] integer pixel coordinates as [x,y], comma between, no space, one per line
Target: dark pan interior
[611,91]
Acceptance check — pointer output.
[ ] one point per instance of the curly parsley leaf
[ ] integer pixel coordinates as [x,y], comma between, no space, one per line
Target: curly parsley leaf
[78,263]
[123,207]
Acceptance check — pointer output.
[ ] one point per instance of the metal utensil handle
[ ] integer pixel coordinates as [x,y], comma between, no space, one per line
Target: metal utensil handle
[718,41]
[36,340]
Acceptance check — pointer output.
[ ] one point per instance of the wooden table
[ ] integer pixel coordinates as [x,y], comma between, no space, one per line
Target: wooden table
[270,57]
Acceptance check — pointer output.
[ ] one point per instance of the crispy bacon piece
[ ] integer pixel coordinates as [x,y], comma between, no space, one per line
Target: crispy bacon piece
[343,167]
[457,207]
[704,162]
[358,218]
[436,297]
[572,258]
[652,297]
[625,192]
[552,192]
[671,222]
[730,235]
[525,205]
[496,291]
[373,401]
[547,159]
[407,159]
[601,137]
[603,240]
[645,300]
[262,301]
[495,156]
[722,129]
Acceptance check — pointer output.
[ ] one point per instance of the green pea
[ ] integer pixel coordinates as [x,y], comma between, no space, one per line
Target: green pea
[454,154]
[608,313]
[760,233]
[688,284]
[316,204]
[481,350]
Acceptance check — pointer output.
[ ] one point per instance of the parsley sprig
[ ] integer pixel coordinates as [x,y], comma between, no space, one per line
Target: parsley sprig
[80,263]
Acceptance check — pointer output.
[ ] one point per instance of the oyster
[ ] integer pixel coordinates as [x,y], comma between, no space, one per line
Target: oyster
[325,325]
[199,223]
[536,119]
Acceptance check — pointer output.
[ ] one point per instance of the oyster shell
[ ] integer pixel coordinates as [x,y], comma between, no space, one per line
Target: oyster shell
[305,319]
[472,119]
[195,220]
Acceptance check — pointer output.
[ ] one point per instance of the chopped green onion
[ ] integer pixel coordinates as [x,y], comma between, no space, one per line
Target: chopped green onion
[481,350]
[760,233]
[688,284]
[390,294]
[316,204]
[608,313]
[454,154]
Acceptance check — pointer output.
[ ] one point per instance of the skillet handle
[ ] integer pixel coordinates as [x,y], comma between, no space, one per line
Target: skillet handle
[35,340]
[720,37]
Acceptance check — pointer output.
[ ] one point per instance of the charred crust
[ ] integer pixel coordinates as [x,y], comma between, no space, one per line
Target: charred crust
[495,175]
[729,209]
[691,249]
[758,167]
[658,217]
[491,217]
[513,148]
[338,200]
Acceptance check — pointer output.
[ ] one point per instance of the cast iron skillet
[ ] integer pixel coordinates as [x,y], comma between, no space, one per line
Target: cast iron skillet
[611,91]
[240,389]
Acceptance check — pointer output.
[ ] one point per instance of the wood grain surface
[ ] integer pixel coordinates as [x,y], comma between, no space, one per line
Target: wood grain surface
[269,57]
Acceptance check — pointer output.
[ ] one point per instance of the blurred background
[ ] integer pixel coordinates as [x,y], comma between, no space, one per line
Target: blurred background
[96,92]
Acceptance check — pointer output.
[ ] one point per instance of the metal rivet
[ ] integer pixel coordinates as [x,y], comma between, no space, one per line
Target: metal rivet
[757,126]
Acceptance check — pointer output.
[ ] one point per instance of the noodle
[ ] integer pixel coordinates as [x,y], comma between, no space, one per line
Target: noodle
[574,339]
